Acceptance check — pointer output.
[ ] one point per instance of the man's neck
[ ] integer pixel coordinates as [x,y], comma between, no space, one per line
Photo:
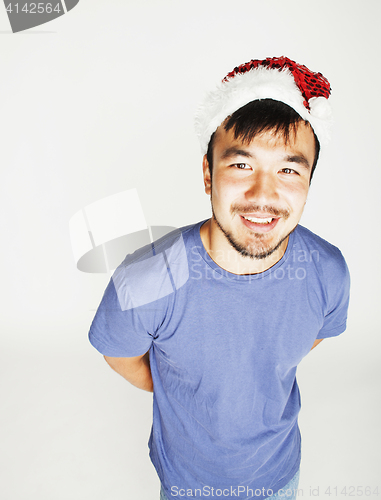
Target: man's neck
[223,254]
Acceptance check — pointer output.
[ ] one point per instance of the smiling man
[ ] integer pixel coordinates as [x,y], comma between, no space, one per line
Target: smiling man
[214,318]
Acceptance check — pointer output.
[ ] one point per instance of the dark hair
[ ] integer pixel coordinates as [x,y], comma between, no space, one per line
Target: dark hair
[262,116]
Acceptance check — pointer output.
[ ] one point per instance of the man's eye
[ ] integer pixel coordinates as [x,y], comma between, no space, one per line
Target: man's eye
[242,166]
[289,171]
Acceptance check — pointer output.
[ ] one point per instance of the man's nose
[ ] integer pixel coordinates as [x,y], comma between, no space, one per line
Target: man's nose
[262,188]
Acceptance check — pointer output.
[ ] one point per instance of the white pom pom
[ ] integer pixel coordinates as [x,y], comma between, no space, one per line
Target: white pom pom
[320,108]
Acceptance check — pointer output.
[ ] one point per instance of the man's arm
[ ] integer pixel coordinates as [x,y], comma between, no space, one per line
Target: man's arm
[136,370]
[316,343]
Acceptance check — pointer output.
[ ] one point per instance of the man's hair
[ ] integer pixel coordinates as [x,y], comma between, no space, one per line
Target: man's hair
[262,115]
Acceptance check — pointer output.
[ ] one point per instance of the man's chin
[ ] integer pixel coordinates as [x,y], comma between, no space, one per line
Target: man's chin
[260,249]
[258,252]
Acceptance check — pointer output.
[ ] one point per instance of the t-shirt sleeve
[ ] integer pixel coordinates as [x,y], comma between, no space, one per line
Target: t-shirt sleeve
[335,318]
[135,303]
[117,332]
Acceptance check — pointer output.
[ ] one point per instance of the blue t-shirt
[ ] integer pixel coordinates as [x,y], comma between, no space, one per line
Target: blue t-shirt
[224,349]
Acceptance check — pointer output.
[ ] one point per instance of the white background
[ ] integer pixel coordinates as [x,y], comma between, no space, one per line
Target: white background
[102,100]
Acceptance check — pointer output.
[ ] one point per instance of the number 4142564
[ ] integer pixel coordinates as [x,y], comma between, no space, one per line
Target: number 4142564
[34,8]
[352,491]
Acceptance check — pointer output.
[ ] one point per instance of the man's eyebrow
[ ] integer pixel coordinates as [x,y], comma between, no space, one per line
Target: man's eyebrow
[234,151]
[300,159]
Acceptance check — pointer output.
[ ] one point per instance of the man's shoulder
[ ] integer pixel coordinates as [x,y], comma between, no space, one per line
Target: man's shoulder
[326,257]
[159,246]
[328,271]
[313,241]
[154,271]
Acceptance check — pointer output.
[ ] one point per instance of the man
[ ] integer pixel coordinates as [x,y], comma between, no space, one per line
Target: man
[214,318]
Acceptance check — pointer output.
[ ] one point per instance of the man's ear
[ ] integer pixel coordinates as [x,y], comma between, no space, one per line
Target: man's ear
[207,176]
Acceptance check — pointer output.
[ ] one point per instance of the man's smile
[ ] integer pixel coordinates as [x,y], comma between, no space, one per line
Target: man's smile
[258,224]
[258,220]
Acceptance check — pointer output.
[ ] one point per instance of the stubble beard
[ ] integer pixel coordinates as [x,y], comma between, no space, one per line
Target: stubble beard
[258,249]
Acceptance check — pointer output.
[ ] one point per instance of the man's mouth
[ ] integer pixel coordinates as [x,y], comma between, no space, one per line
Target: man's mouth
[257,224]
[257,220]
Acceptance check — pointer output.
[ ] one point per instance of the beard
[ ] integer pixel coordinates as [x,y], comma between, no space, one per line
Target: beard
[257,248]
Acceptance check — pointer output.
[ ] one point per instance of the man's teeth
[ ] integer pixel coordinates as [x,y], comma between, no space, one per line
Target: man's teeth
[259,221]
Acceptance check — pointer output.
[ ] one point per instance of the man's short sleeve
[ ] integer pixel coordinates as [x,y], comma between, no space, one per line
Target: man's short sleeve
[335,320]
[116,332]
[135,302]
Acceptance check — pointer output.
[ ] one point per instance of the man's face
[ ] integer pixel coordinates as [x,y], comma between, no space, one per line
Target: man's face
[259,189]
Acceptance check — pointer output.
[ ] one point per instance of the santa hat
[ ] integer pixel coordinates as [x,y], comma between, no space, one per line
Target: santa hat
[276,78]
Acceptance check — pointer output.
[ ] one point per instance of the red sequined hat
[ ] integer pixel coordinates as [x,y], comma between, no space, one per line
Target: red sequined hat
[277,78]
